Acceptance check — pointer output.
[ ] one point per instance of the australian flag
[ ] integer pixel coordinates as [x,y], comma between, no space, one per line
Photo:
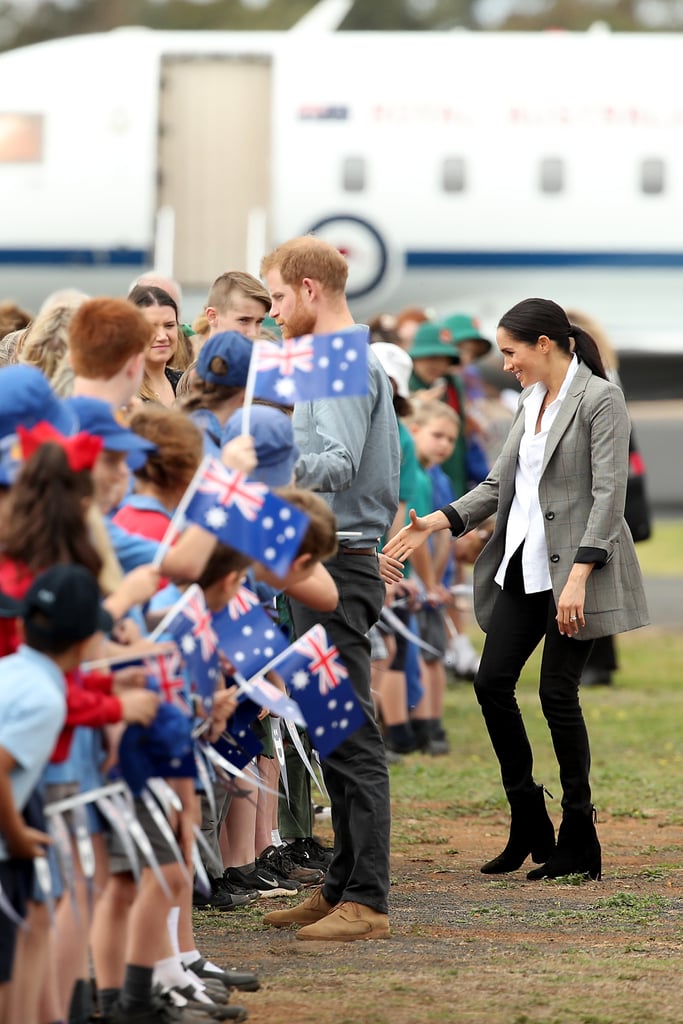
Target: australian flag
[250,641]
[240,604]
[189,623]
[240,745]
[245,515]
[320,685]
[312,366]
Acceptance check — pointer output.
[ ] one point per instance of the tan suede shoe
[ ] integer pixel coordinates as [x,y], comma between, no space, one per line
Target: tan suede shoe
[346,923]
[311,910]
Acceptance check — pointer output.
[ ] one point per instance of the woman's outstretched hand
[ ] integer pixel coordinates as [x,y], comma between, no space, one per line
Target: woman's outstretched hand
[411,537]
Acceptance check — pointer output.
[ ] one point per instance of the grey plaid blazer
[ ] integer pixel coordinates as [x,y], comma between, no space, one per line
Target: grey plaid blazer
[582,492]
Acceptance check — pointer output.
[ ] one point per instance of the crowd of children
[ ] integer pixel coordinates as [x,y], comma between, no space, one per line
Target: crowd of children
[91,480]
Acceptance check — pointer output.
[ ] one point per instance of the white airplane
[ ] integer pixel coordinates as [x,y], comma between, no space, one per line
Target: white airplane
[456,170]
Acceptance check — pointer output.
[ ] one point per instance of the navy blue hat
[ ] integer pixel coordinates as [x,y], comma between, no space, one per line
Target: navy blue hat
[95,417]
[66,599]
[26,398]
[235,351]
[273,435]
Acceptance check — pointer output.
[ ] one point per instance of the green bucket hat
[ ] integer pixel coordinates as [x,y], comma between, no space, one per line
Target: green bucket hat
[433,339]
[465,328]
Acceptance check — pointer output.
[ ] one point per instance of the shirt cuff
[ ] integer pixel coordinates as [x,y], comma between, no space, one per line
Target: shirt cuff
[456,524]
[596,555]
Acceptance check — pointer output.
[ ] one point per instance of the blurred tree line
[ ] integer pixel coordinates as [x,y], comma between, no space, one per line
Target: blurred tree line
[25,23]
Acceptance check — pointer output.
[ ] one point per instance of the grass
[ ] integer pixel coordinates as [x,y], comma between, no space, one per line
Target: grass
[662,555]
[634,727]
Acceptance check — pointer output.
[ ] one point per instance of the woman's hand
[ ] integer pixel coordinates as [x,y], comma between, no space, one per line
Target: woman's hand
[413,536]
[570,617]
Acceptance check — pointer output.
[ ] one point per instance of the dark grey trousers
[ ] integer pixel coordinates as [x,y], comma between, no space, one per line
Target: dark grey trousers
[355,773]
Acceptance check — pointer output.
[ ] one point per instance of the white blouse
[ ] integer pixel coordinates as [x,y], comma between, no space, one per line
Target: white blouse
[525,522]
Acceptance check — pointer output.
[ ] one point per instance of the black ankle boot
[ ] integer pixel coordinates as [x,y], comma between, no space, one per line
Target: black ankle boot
[578,849]
[531,832]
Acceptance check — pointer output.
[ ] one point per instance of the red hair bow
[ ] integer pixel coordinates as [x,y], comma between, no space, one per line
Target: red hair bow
[81,449]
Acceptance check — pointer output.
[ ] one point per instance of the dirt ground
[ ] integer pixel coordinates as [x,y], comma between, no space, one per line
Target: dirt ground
[474,948]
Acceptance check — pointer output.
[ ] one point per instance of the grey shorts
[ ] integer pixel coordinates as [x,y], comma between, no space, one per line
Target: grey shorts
[118,858]
[432,630]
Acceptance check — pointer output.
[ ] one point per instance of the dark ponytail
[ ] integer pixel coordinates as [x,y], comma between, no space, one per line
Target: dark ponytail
[531,318]
[586,348]
[43,520]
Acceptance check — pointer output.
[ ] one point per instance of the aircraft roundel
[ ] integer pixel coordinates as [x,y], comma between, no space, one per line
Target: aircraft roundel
[363,247]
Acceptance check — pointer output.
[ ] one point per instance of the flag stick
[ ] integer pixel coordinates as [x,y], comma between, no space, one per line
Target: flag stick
[249,389]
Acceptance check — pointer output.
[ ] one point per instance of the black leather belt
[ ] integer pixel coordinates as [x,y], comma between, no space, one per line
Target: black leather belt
[357,551]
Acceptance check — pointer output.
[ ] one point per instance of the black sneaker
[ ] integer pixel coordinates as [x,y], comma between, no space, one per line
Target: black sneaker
[278,862]
[261,879]
[309,854]
[225,896]
[194,1011]
[245,981]
[157,1011]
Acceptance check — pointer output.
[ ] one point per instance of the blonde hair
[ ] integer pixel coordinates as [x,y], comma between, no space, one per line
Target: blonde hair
[424,412]
[233,281]
[46,341]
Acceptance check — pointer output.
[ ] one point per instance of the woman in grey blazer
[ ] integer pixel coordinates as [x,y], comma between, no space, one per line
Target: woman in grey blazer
[560,567]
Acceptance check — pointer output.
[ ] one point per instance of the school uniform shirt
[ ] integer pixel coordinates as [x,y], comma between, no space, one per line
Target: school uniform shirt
[32,713]
[525,522]
[89,701]
[144,515]
[211,429]
[131,549]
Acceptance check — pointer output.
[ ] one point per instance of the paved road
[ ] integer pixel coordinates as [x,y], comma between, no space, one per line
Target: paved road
[665,601]
[659,431]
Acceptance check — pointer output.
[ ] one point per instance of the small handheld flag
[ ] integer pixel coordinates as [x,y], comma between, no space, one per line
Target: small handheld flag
[245,515]
[312,366]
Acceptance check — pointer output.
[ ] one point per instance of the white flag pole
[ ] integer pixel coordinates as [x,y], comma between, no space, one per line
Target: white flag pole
[249,388]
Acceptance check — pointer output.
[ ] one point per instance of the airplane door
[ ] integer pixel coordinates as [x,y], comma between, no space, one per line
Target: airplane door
[213,162]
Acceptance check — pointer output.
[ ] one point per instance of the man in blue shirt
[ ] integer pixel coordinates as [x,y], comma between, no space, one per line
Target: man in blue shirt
[350,455]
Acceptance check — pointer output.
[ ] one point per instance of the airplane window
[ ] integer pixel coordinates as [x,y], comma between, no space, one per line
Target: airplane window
[552,174]
[454,174]
[652,176]
[21,138]
[353,174]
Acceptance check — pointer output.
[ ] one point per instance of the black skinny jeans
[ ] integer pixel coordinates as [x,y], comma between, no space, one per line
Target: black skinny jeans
[356,773]
[518,623]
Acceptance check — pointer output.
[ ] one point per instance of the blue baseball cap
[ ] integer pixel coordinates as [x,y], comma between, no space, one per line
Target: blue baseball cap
[96,417]
[26,398]
[235,350]
[273,436]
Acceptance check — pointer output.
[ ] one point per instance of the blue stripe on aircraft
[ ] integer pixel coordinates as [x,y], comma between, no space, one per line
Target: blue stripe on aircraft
[75,257]
[414,259]
[465,259]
